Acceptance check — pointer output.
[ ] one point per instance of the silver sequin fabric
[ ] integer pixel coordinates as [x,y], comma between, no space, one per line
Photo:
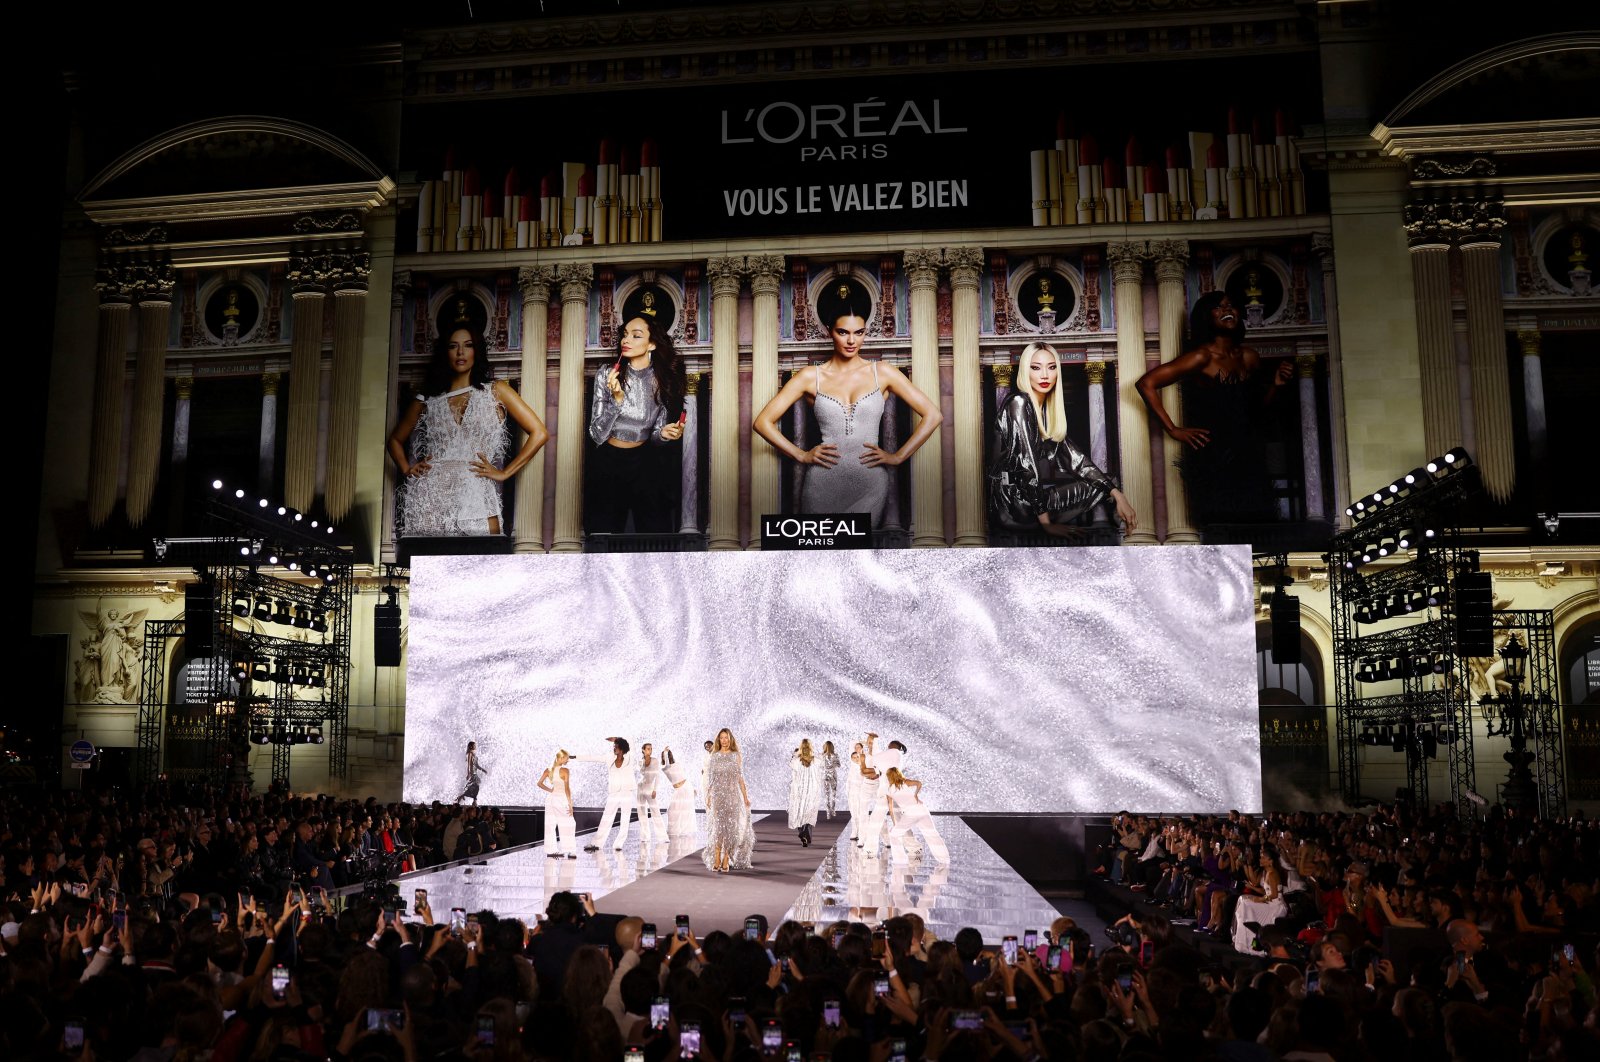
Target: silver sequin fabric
[1020,680]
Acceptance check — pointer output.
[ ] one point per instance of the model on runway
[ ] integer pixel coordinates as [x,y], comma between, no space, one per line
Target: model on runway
[560,827]
[805,791]
[830,778]
[732,835]
[680,809]
[911,814]
[881,762]
[858,790]
[650,831]
[622,786]
[474,772]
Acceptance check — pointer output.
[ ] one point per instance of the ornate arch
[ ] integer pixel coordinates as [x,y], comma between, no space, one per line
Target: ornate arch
[1477,65]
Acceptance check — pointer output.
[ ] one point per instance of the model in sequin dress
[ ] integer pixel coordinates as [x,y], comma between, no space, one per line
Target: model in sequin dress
[731,836]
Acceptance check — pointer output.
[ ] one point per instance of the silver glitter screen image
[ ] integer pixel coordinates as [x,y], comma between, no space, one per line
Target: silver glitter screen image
[1019,680]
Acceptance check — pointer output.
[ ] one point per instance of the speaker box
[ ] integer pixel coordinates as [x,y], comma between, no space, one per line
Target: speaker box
[385,635]
[1474,598]
[200,618]
[1285,629]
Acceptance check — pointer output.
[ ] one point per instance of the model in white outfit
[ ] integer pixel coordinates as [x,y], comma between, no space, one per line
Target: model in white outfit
[911,815]
[856,790]
[651,829]
[882,761]
[680,809]
[805,790]
[560,827]
[622,787]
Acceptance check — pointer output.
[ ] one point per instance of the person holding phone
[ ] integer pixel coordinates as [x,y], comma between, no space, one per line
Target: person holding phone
[560,825]
[731,836]
[638,399]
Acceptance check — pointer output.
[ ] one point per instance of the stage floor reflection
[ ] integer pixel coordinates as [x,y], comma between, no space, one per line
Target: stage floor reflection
[975,888]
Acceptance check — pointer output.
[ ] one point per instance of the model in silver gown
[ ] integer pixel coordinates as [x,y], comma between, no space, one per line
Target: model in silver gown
[449,498]
[805,794]
[728,822]
[1032,475]
[848,486]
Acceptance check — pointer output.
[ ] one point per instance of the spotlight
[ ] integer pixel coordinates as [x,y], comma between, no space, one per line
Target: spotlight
[259,672]
[216,484]
[1437,595]
[330,530]
[294,566]
[244,551]
[1417,477]
[331,577]
[1404,541]
[283,615]
[280,673]
[280,736]
[241,670]
[298,518]
[258,737]
[1429,533]
[315,735]
[300,677]
[262,503]
[318,678]
[1350,510]
[1366,673]
[241,603]
[263,609]
[302,616]
[1385,547]
[313,523]
[319,621]
[1366,555]
[283,510]
[239,493]
[1349,564]
[272,558]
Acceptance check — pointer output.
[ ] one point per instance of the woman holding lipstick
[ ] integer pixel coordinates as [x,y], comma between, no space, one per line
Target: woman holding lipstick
[847,472]
[638,399]
[1040,480]
[1226,390]
[450,444]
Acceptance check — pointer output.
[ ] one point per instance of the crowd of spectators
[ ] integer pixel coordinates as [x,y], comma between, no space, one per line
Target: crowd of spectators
[1418,939]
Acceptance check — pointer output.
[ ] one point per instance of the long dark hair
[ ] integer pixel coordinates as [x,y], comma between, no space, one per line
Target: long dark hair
[441,376]
[672,381]
[1203,330]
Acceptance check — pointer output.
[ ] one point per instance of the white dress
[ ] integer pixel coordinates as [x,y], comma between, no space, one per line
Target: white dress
[805,791]
[680,812]
[449,499]
[560,828]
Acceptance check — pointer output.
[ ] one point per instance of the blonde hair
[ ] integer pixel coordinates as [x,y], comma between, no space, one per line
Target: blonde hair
[827,749]
[733,743]
[895,777]
[1051,411]
[805,752]
[555,764]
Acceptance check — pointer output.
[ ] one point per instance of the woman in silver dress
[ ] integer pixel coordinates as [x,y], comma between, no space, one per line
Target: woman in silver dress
[847,472]
[731,836]
[450,443]
[638,399]
[830,778]
[805,790]
[474,772]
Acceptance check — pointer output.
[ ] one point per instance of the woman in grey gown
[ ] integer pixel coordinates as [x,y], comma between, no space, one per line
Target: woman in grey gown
[731,836]
[847,472]
[1039,479]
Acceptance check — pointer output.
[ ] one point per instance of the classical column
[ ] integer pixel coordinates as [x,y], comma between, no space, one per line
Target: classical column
[1322,247]
[267,451]
[572,421]
[689,500]
[888,439]
[1531,345]
[110,378]
[398,290]
[766,275]
[349,281]
[1172,258]
[1094,371]
[1305,366]
[307,279]
[527,521]
[927,471]
[1133,420]
[966,265]
[1429,243]
[722,529]
[149,389]
[1480,228]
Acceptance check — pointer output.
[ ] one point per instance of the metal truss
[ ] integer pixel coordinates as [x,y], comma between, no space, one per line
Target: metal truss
[153,698]
[1541,690]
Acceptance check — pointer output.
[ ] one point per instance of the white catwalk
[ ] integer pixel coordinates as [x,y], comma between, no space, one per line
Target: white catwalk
[976,888]
[519,883]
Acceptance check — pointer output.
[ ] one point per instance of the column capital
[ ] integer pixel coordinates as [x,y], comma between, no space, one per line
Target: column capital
[1095,371]
[1530,341]
[307,274]
[1305,366]
[692,384]
[535,281]
[185,387]
[1478,222]
[134,280]
[726,274]
[113,283]
[1127,260]
[1322,247]
[399,287]
[575,279]
[766,272]
[1002,375]
[1161,251]
[270,382]
[1428,224]
[965,265]
[922,267]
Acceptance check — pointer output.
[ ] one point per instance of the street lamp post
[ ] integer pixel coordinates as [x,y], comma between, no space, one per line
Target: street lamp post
[1506,715]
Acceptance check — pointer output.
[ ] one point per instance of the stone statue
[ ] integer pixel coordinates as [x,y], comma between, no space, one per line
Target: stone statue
[109,670]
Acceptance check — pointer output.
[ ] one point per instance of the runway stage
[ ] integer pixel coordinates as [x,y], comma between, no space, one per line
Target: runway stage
[831,880]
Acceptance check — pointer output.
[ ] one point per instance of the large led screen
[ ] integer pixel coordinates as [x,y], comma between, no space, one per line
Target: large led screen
[1019,680]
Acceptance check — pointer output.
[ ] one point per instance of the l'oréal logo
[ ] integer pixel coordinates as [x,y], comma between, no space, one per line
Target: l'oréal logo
[817,531]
